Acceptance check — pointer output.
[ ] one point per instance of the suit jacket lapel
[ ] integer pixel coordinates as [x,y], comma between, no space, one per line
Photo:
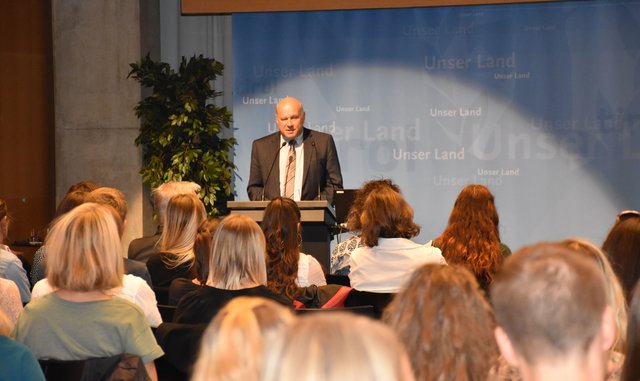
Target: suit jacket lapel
[274,182]
[310,152]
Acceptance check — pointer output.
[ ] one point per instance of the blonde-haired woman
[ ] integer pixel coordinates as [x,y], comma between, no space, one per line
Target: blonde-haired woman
[336,346]
[236,268]
[233,345]
[82,319]
[615,292]
[183,216]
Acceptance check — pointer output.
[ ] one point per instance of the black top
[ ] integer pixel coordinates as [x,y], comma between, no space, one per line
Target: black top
[180,287]
[141,249]
[138,269]
[162,275]
[201,305]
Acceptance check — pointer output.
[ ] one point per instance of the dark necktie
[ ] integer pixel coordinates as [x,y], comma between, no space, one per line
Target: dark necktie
[290,179]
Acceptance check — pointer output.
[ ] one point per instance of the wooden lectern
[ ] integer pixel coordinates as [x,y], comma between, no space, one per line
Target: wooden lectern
[318,217]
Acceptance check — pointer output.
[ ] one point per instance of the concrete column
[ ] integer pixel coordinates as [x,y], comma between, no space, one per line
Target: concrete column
[95,127]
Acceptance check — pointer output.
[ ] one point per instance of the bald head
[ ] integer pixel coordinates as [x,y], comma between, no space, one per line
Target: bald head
[290,117]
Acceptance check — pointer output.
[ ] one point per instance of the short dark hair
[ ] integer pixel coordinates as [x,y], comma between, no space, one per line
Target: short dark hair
[549,300]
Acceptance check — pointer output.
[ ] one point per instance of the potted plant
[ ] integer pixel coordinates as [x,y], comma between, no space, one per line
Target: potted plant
[180,128]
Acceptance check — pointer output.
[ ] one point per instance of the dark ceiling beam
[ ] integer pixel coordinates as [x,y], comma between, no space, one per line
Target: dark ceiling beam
[199,7]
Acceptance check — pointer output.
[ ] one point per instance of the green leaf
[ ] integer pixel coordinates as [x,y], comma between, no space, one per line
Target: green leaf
[180,126]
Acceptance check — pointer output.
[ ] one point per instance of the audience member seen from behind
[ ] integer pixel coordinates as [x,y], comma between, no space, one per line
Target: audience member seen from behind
[341,255]
[141,249]
[287,268]
[115,198]
[18,363]
[615,296]
[389,256]
[85,186]
[622,246]
[236,268]
[202,251]
[10,265]
[336,346]
[472,238]
[553,319]
[134,289]
[68,202]
[630,369]
[183,216]
[81,319]
[10,302]
[445,323]
[234,343]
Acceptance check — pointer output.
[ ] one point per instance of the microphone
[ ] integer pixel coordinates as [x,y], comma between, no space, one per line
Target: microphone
[315,164]
[266,181]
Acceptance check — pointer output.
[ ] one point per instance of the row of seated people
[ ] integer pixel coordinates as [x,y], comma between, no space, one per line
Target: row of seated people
[389,234]
[439,326]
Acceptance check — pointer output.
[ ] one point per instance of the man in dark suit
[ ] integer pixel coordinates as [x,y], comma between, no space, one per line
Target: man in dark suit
[315,168]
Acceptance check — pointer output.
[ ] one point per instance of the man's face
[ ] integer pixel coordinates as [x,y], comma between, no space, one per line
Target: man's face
[290,118]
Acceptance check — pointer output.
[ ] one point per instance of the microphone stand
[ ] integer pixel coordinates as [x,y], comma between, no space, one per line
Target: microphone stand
[266,181]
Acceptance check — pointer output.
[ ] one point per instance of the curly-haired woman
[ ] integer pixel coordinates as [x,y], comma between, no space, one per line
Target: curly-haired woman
[472,239]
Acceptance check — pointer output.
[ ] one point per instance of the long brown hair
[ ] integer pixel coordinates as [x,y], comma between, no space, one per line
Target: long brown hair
[353,219]
[281,227]
[445,323]
[630,369]
[622,246]
[202,248]
[471,239]
[386,214]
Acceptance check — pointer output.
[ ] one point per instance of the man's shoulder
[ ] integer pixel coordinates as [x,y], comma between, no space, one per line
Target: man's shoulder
[267,138]
[144,241]
[315,134]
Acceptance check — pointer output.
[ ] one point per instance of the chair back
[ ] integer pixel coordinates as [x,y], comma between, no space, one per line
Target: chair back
[58,370]
[367,311]
[162,294]
[379,300]
[180,343]
[122,367]
[166,312]
[338,279]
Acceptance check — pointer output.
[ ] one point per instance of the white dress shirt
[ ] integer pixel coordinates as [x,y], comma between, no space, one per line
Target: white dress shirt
[387,266]
[310,272]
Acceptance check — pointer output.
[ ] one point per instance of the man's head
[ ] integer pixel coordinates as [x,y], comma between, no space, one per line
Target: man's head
[550,304]
[163,193]
[111,197]
[290,117]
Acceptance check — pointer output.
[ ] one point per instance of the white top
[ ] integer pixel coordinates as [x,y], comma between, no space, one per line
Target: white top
[11,268]
[10,301]
[134,289]
[310,272]
[388,266]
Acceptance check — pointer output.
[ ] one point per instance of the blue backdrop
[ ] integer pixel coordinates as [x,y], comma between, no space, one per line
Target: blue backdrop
[540,102]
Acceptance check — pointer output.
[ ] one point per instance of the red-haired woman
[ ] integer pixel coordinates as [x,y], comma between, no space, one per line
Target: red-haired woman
[471,239]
